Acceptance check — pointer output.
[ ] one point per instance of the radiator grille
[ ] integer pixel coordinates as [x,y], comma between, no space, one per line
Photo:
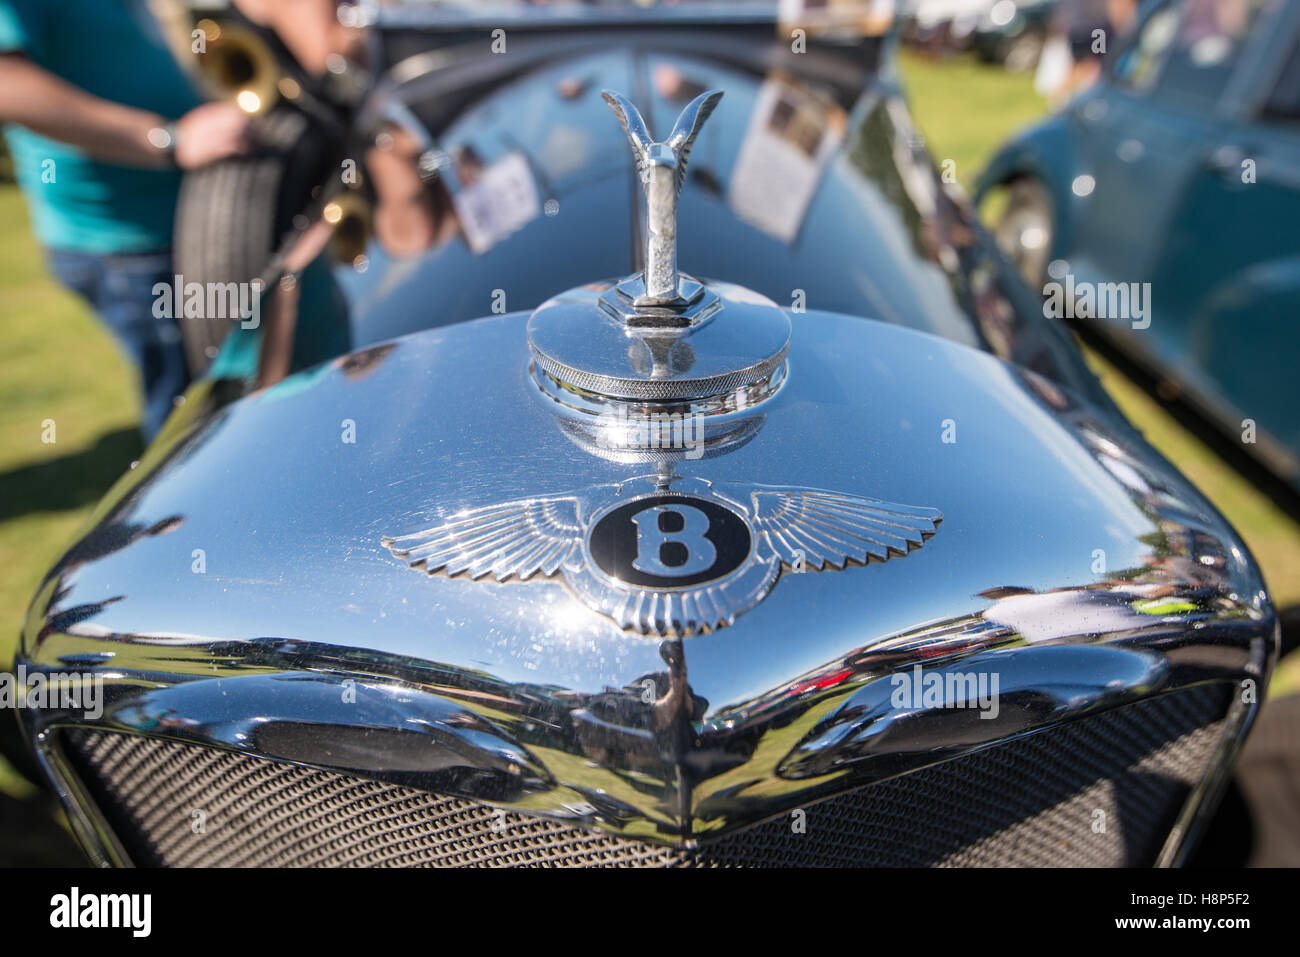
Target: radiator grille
[1032,801]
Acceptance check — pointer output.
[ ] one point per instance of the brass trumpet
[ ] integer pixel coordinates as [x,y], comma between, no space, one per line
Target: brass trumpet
[242,68]
[352,224]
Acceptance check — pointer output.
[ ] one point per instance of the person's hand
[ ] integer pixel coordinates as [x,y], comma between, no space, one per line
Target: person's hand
[211,132]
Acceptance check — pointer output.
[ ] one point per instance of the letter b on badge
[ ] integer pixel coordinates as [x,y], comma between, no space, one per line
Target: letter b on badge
[669,541]
[687,527]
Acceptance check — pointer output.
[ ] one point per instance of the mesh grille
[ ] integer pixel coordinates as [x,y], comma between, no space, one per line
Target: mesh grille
[1033,801]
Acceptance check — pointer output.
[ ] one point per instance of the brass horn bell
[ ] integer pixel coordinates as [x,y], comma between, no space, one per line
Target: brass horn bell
[351,218]
[242,68]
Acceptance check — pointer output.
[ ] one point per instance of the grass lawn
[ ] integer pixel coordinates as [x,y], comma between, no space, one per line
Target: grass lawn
[967,109]
[60,366]
[57,365]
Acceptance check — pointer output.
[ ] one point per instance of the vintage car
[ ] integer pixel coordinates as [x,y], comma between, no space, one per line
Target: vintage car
[1180,171]
[1014,33]
[705,489]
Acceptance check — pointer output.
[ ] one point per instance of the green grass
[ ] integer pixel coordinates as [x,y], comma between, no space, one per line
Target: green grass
[966,108]
[57,364]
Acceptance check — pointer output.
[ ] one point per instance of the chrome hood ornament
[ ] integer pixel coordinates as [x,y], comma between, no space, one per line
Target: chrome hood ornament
[663,171]
[659,336]
[662,355]
[671,562]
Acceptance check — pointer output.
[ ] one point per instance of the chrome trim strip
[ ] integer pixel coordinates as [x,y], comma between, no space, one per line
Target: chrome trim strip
[89,826]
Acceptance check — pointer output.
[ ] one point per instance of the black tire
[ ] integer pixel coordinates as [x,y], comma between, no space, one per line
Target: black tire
[1029,208]
[231,216]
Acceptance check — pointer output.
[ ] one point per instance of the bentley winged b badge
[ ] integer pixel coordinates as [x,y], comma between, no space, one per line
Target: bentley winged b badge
[669,562]
[664,554]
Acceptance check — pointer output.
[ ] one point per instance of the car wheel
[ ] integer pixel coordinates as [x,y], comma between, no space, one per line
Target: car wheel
[231,215]
[1024,231]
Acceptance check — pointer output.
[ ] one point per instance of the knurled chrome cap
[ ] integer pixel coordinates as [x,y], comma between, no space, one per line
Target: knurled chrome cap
[724,344]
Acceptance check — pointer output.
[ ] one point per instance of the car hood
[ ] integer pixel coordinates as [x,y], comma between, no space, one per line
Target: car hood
[236,585]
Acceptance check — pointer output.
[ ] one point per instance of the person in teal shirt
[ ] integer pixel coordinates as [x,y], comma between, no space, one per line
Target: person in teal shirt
[101,121]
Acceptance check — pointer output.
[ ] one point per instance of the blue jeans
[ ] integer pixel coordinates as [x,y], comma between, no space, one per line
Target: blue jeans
[119,287]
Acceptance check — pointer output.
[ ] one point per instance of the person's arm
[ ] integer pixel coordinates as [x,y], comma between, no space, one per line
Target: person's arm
[309,28]
[37,99]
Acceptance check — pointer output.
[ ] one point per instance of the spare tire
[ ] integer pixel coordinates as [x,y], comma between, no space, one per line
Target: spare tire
[232,215]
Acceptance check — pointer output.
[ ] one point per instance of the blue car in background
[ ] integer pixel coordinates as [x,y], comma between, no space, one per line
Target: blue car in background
[1175,181]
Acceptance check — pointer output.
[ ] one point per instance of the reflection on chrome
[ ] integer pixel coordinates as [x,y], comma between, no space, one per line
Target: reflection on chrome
[664,647]
[792,134]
